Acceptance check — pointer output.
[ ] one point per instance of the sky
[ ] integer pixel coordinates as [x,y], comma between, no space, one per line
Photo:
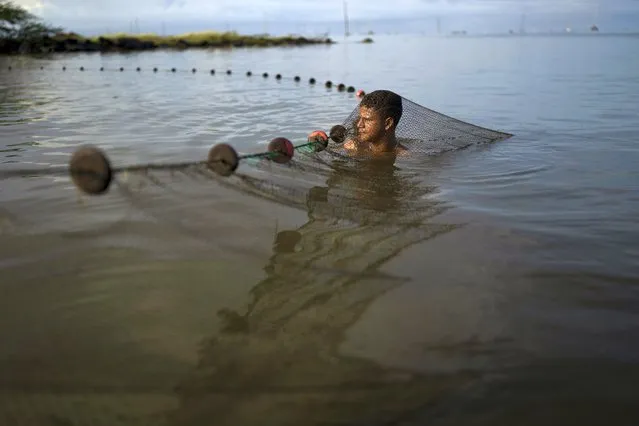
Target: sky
[313,16]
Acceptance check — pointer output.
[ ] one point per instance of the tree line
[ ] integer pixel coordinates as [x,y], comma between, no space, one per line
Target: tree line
[18,24]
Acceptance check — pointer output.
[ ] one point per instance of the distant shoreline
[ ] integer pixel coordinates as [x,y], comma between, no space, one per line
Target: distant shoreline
[71,42]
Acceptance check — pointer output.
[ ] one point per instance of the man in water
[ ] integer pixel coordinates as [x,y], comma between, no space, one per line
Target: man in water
[379,115]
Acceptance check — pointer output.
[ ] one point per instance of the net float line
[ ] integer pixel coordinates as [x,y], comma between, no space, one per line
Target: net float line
[341,87]
[92,172]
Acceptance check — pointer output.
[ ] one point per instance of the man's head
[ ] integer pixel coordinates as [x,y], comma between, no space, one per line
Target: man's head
[379,114]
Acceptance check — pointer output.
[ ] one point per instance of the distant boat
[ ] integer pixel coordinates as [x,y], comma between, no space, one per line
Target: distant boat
[594,29]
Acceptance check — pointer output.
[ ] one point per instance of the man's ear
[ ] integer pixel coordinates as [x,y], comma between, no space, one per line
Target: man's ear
[388,123]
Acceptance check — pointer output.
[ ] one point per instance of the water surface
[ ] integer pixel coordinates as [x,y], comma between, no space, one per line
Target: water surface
[493,285]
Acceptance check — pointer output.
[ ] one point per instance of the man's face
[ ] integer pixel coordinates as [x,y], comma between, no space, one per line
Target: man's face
[370,126]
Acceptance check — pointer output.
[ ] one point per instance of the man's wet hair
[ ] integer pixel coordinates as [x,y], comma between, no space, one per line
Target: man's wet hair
[386,103]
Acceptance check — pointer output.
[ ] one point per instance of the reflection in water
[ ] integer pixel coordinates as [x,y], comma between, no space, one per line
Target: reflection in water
[31,111]
[21,98]
[278,361]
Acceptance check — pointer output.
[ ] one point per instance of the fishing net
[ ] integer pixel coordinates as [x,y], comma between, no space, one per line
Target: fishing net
[341,173]
[321,220]
[421,130]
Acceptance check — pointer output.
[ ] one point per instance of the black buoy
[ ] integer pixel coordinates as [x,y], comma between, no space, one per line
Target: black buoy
[338,134]
[350,89]
[194,70]
[341,87]
[90,170]
[101,68]
[155,69]
[173,70]
[223,159]
[212,72]
[138,69]
[278,76]
[265,75]
[312,80]
[228,72]
[297,78]
[249,73]
[64,68]
[41,68]
[329,83]
[121,69]
[81,68]
[9,68]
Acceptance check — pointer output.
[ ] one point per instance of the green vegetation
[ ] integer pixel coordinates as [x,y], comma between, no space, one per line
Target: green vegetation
[17,25]
[22,32]
[204,39]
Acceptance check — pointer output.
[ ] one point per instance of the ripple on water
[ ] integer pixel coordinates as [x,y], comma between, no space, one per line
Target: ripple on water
[566,184]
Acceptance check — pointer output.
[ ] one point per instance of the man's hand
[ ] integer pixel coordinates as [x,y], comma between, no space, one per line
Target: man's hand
[350,144]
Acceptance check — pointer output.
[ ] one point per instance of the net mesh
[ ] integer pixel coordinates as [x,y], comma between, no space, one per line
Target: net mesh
[418,128]
[333,183]
[325,266]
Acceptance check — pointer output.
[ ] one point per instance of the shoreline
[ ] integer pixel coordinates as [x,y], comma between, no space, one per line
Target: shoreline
[118,43]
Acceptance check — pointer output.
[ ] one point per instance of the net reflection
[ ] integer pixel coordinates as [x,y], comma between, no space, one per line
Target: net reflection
[278,362]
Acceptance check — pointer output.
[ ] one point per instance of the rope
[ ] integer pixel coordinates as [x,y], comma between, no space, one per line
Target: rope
[91,171]
[96,166]
[341,87]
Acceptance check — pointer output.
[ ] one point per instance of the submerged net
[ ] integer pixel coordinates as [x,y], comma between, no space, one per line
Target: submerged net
[331,179]
[323,226]
[384,197]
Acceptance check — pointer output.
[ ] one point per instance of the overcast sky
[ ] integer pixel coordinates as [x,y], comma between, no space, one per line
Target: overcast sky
[186,14]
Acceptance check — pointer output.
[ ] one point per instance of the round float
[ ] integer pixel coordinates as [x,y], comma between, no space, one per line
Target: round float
[283,148]
[90,170]
[338,134]
[319,139]
[223,159]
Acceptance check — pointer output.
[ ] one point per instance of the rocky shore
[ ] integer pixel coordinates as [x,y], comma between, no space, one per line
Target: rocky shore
[71,42]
